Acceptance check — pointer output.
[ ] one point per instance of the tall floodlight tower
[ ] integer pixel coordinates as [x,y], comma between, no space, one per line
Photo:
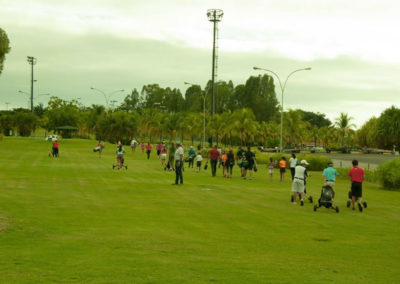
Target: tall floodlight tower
[32,61]
[215,16]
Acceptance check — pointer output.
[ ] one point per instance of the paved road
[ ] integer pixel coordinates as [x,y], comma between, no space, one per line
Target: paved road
[364,160]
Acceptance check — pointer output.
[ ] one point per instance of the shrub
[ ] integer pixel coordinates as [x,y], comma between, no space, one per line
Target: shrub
[370,175]
[388,174]
[316,163]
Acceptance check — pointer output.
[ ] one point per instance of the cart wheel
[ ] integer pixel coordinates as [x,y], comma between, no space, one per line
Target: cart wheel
[365,204]
[126,167]
[348,203]
[310,199]
[315,207]
[337,209]
[291,198]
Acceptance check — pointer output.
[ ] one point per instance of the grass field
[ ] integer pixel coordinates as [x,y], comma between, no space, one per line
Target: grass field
[74,219]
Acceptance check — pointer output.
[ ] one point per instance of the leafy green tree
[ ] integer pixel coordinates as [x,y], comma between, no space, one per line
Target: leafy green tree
[244,125]
[259,95]
[131,102]
[62,113]
[4,48]
[344,125]
[389,128]
[25,123]
[315,119]
[294,128]
[367,135]
[194,99]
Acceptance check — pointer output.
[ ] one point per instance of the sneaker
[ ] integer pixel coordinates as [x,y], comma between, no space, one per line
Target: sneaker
[360,207]
[294,203]
[301,202]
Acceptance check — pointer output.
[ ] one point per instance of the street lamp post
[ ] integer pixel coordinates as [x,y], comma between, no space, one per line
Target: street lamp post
[204,113]
[107,96]
[32,61]
[282,92]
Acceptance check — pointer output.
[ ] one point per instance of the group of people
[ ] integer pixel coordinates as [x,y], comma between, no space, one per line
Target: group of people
[356,175]
[173,159]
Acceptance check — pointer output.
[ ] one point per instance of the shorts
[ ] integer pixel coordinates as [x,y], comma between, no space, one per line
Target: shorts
[356,189]
[298,185]
[198,164]
[158,152]
[163,156]
[331,184]
[283,170]
[249,166]
[270,171]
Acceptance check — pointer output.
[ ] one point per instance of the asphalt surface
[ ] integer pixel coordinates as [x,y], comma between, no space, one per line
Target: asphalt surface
[370,161]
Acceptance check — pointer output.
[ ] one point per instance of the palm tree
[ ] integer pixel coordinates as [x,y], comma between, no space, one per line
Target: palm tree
[344,125]
[244,125]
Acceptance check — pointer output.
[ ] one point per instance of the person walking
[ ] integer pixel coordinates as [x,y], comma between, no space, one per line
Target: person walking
[171,157]
[292,164]
[357,176]
[282,168]
[148,150]
[55,149]
[178,156]
[192,155]
[271,166]
[134,143]
[330,175]
[298,181]
[100,147]
[240,158]
[214,157]
[230,162]
[199,159]
[159,147]
[163,157]
[224,158]
[142,146]
[120,156]
[251,162]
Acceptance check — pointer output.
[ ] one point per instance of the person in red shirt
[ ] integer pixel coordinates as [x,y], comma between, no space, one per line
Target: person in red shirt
[214,156]
[148,150]
[356,175]
[55,149]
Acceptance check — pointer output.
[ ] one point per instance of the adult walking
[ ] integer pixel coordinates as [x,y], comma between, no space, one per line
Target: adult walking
[134,143]
[230,162]
[330,175]
[251,162]
[120,156]
[292,164]
[178,156]
[214,156]
[171,157]
[149,147]
[192,155]
[298,181]
[239,159]
[356,175]
[282,168]
[54,149]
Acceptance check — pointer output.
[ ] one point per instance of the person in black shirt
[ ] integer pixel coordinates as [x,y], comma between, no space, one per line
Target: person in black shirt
[251,159]
[230,162]
[240,160]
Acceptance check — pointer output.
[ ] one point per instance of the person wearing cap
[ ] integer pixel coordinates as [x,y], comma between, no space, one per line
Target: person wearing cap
[298,181]
[230,162]
[192,155]
[330,175]
[178,163]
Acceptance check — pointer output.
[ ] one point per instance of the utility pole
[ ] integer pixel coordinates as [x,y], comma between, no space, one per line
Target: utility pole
[215,16]
[32,61]
[7,105]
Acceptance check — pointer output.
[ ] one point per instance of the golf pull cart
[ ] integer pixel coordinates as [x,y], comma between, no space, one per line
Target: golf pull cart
[326,199]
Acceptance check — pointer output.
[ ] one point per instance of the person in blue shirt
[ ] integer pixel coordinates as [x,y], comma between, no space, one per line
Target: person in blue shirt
[330,175]
[192,155]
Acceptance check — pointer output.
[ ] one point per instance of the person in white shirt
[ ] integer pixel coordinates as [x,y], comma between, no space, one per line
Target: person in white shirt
[292,164]
[199,159]
[134,143]
[298,181]
[178,163]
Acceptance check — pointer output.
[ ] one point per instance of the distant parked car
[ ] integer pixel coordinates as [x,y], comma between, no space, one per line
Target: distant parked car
[51,138]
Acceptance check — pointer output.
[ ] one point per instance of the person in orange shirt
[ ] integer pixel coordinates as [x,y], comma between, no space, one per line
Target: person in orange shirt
[282,167]
[224,158]
[148,150]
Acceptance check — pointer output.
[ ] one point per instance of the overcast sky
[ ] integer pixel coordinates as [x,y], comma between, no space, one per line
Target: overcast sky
[353,47]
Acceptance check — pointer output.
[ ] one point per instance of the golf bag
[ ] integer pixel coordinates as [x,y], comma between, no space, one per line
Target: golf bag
[326,199]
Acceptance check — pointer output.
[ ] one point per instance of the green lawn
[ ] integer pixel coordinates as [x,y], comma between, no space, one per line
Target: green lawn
[74,219]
